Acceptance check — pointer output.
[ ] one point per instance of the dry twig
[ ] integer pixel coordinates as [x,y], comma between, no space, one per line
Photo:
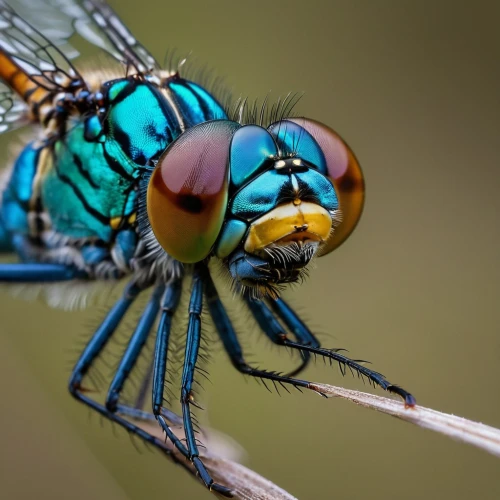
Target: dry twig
[248,485]
[461,429]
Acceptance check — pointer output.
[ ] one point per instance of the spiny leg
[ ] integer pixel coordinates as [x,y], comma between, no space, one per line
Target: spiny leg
[293,322]
[298,328]
[102,336]
[129,360]
[137,411]
[53,273]
[169,304]
[190,357]
[95,346]
[50,273]
[162,415]
[232,345]
[271,327]
[133,350]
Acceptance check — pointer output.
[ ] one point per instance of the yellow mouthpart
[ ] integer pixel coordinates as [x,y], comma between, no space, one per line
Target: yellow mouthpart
[295,221]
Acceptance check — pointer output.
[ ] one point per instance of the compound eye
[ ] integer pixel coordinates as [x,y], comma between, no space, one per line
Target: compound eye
[344,171]
[188,191]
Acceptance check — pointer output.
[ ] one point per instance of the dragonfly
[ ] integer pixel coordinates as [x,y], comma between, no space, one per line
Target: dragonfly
[135,172]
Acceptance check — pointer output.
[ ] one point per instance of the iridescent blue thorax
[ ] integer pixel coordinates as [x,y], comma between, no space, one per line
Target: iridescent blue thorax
[80,186]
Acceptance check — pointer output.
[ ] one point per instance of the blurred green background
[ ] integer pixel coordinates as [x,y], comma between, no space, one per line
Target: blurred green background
[414,87]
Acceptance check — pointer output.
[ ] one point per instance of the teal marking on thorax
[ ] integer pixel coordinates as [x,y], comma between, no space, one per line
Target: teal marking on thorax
[95,171]
[141,121]
[82,192]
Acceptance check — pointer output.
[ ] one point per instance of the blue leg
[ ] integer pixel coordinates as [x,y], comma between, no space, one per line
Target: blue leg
[232,345]
[271,327]
[98,342]
[31,273]
[137,412]
[130,358]
[190,357]
[169,305]
[134,348]
[34,272]
[162,415]
[132,353]
[157,373]
[297,327]
[102,336]
[293,322]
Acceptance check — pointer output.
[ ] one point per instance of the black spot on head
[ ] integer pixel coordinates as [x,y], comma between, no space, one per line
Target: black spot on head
[190,203]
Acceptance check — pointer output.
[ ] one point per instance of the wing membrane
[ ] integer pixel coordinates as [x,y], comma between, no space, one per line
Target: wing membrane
[94,21]
[13,111]
[36,54]
[29,56]
[118,41]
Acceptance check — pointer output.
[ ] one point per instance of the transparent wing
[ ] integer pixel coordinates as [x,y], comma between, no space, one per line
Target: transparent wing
[94,21]
[13,111]
[104,28]
[29,59]
[35,53]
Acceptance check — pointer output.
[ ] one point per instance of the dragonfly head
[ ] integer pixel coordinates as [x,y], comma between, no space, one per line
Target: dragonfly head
[264,201]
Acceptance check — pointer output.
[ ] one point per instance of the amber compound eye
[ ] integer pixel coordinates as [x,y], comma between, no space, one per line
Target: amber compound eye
[188,191]
[345,173]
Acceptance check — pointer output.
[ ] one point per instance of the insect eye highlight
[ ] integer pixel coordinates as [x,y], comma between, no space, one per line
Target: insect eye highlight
[188,191]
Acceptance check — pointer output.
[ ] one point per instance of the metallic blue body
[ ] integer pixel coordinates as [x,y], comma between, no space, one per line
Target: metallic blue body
[87,180]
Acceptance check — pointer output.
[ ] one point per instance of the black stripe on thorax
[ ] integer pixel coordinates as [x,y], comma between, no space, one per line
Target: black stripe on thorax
[84,172]
[116,166]
[125,92]
[91,210]
[201,102]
